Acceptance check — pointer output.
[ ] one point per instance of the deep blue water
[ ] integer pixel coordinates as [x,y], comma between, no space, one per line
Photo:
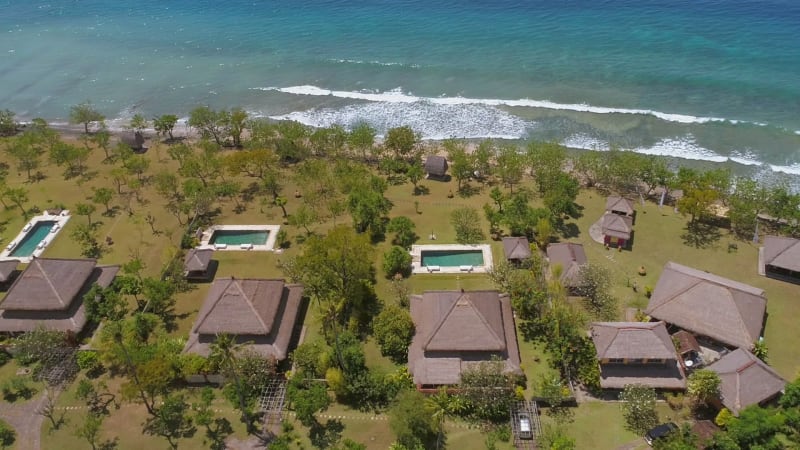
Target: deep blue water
[701,78]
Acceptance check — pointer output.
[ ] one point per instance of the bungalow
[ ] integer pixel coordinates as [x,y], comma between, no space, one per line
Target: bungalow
[620,205]
[780,258]
[8,268]
[617,229]
[746,380]
[134,140]
[571,258]
[435,167]
[516,249]
[258,312]
[197,263]
[636,353]
[457,329]
[705,304]
[50,292]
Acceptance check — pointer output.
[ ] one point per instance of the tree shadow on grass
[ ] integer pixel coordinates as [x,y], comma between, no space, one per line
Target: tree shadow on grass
[325,436]
[700,235]
[467,190]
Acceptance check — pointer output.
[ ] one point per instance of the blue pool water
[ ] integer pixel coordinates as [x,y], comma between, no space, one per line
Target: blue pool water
[236,237]
[32,239]
[452,258]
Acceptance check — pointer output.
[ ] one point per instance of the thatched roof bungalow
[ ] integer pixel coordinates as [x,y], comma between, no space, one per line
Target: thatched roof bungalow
[620,205]
[636,353]
[134,140]
[50,293]
[259,312]
[435,166]
[456,329]
[746,380]
[571,257]
[516,249]
[7,270]
[724,310]
[617,229]
[780,257]
[197,263]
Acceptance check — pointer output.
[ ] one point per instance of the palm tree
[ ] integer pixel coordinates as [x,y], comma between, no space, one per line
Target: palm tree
[440,405]
[223,351]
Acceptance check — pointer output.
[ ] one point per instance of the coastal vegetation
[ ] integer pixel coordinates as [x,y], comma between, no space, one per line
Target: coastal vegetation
[349,205]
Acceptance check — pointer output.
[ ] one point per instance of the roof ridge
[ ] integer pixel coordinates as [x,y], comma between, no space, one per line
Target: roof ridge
[681,292]
[202,320]
[249,303]
[468,299]
[794,243]
[49,281]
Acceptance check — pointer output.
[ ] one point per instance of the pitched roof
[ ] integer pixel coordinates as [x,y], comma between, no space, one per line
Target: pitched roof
[745,380]
[7,267]
[197,259]
[706,304]
[134,140]
[570,257]
[686,342]
[516,247]
[258,311]
[48,284]
[617,226]
[72,318]
[782,252]
[436,165]
[632,340]
[455,329]
[619,204]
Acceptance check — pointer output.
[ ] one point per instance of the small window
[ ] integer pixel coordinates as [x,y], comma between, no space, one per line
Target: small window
[616,360]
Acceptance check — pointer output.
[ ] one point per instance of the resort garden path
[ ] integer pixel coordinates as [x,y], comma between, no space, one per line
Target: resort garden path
[26,422]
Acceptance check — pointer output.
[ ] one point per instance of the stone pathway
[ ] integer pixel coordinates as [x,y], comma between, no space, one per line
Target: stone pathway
[596,231]
[28,425]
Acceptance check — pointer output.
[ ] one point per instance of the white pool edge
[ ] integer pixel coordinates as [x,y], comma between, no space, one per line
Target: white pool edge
[60,220]
[269,246]
[418,268]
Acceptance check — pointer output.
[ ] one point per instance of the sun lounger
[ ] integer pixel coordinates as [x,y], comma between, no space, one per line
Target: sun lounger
[27,226]
[433,268]
[55,228]
[465,268]
[220,246]
[11,245]
[42,244]
[246,246]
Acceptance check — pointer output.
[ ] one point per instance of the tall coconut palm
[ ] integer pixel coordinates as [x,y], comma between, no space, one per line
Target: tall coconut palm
[223,352]
[439,405]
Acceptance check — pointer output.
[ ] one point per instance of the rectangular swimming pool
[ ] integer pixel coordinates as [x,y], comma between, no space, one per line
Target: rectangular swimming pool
[452,258]
[238,237]
[34,236]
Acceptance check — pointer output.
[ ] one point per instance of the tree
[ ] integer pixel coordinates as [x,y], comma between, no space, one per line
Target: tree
[85,209]
[71,156]
[138,123]
[90,431]
[639,408]
[308,397]
[595,288]
[401,141]
[757,428]
[27,150]
[84,113]
[440,406]
[7,434]
[8,123]
[460,162]
[397,261]
[223,351]
[403,227]
[510,166]
[209,123]
[103,196]
[217,429]
[368,207]
[681,439]
[18,196]
[413,426]
[102,139]
[489,389]
[361,138]
[466,222]
[560,194]
[544,231]
[171,420]
[546,160]
[165,124]
[703,386]
[86,237]
[393,330]
[49,411]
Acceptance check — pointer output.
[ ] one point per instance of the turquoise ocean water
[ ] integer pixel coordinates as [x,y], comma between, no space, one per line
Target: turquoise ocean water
[702,79]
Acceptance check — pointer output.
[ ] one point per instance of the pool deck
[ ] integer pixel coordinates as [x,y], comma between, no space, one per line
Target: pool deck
[205,239]
[416,258]
[60,219]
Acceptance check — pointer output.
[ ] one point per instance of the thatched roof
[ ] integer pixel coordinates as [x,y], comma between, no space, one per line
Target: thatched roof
[259,311]
[571,258]
[436,165]
[7,268]
[725,310]
[632,340]
[686,342]
[197,259]
[455,329]
[617,226]
[745,380]
[783,252]
[134,140]
[72,318]
[48,284]
[516,248]
[619,205]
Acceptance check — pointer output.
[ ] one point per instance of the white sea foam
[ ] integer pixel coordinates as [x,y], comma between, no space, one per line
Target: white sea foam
[792,169]
[374,63]
[432,121]
[398,96]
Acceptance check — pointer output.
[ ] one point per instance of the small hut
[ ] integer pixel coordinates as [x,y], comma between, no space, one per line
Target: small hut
[571,257]
[617,229]
[780,258]
[197,263]
[134,140]
[517,249]
[620,205]
[436,167]
[8,269]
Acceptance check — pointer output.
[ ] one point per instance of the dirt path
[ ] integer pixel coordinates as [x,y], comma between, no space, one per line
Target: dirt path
[28,425]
